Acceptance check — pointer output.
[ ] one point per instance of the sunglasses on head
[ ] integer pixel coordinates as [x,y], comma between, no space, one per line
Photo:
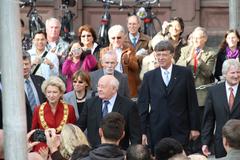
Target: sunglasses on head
[116,37]
[88,35]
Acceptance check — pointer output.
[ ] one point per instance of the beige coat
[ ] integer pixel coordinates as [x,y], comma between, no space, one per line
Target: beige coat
[148,64]
[204,74]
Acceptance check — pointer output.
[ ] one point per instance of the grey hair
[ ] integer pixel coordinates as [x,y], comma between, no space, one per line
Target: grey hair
[109,53]
[228,63]
[116,29]
[203,30]
[53,81]
[52,19]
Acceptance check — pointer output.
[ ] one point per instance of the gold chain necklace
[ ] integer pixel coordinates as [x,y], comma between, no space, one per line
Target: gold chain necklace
[64,120]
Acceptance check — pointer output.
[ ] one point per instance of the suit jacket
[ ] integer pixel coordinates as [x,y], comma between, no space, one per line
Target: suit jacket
[70,98]
[37,81]
[123,89]
[204,74]
[217,113]
[92,114]
[173,110]
[233,154]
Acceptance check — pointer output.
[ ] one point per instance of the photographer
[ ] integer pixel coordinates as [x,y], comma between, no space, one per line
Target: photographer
[172,31]
[43,63]
[77,59]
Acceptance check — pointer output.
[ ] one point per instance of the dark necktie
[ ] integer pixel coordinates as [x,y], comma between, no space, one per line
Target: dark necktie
[105,108]
[231,98]
[30,94]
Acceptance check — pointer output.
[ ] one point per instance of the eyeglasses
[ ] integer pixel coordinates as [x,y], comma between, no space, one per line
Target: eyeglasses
[80,82]
[116,37]
[88,35]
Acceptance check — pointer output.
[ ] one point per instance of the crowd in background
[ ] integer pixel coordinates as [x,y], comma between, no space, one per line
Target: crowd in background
[138,98]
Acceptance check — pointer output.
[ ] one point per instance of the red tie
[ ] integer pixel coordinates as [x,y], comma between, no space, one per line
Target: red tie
[195,62]
[231,98]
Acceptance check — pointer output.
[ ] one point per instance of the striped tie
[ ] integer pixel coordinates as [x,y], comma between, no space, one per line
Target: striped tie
[30,94]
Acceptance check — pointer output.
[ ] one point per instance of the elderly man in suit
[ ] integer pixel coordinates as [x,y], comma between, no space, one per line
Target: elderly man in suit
[222,104]
[109,62]
[108,100]
[170,91]
[32,87]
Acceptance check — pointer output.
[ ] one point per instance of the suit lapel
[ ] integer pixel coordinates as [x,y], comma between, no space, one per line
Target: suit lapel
[116,105]
[224,94]
[236,99]
[159,77]
[98,106]
[172,79]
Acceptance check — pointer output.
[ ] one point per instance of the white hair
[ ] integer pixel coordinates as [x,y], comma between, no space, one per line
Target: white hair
[52,19]
[115,29]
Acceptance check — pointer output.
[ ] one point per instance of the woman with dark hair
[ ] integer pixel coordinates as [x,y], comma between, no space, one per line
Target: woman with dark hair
[77,97]
[172,31]
[88,39]
[77,59]
[229,48]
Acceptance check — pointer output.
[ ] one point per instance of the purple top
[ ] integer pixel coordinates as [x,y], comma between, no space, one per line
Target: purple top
[69,68]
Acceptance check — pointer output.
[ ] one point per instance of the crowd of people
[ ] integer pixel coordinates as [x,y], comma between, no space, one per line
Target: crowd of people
[136,99]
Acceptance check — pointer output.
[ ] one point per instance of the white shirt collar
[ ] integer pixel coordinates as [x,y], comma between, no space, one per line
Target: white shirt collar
[131,36]
[169,70]
[235,87]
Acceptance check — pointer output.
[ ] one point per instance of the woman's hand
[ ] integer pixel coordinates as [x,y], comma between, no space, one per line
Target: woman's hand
[53,140]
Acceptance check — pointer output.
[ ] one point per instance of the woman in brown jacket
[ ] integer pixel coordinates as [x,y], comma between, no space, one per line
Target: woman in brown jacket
[126,57]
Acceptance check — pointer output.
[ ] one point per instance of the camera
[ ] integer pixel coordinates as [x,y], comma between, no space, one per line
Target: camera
[39,136]
[70,3]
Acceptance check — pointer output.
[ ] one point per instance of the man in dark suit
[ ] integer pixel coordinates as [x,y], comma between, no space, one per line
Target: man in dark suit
[35,83]
[109,101]
[222,104]
[170,93]
[109,62]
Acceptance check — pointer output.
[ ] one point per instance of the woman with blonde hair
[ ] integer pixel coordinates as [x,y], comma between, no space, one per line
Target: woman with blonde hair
[62,146]
[53,113]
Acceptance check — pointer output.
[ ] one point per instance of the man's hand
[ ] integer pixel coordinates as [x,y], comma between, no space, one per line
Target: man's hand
[194,135]
[205,150]
[144,139]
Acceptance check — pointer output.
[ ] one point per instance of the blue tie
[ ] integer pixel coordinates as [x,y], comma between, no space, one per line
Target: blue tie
[134,41]
[105,108]
[30,94]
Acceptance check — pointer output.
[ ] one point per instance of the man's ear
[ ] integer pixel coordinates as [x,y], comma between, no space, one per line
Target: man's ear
[100,132]
[123,134]
[225,143]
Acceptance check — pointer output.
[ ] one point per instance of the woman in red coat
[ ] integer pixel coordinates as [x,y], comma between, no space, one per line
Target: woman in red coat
[54,113]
